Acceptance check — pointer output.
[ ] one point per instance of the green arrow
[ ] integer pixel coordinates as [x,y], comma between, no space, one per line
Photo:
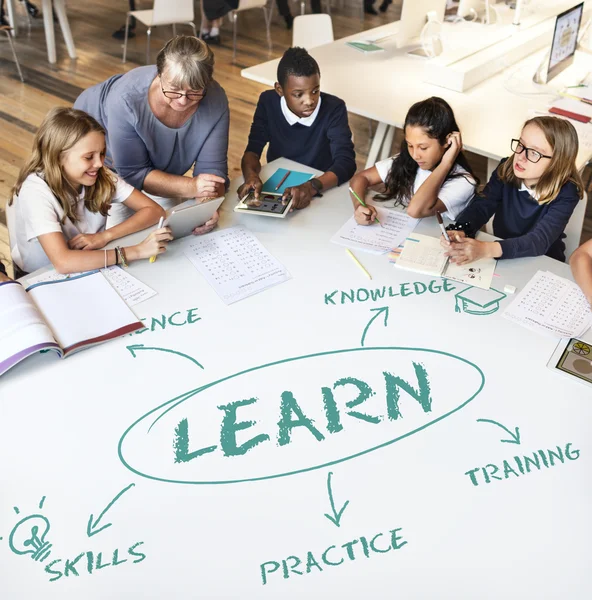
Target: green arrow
[336,517]
[515,436]
[135,347]
[382,309]
[91,528]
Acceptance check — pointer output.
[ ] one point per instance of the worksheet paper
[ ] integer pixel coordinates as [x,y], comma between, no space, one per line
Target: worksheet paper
[235,263]
[132,290]
[553,305]
[394,227]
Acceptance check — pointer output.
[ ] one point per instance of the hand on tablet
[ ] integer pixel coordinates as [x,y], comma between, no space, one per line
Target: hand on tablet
[208,226]
[209,186]
[302,195]
[253,184]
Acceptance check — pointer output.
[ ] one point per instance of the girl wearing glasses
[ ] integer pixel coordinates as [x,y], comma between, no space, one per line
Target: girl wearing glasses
[163,120]
[531,196]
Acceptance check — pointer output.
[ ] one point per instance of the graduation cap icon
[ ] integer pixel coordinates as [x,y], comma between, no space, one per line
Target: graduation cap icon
[476,301]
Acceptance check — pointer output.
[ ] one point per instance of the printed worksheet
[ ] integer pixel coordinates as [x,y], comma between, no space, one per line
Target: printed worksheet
[378,238]
[131,289]
[551,304]
[235,263]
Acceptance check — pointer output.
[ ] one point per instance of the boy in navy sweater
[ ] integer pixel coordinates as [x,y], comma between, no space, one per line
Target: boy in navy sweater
[302,124]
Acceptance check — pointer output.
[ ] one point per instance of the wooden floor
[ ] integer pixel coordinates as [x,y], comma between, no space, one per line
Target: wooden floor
[23,106]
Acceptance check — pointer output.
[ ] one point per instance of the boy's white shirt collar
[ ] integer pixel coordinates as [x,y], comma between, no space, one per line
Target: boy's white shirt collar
[293,119]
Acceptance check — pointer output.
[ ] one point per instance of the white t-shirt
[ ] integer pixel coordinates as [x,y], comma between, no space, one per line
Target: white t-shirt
[455,193]
[36,211]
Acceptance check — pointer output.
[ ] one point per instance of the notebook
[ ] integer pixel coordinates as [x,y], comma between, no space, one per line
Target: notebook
[365,46]
[424,254]
[64,316]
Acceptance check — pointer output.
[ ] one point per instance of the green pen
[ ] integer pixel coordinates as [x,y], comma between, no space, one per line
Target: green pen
[363,204]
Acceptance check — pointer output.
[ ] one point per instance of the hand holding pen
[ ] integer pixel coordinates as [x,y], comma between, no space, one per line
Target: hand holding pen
[365,214]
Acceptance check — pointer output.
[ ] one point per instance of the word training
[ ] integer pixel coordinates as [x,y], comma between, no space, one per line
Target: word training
[333,556]
[522,465]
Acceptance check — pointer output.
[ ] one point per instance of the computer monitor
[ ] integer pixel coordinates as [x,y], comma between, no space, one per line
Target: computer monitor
[565,40]
[414,16]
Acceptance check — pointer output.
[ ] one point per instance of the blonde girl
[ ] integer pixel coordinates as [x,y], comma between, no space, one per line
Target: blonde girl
[532,195]
[62,198]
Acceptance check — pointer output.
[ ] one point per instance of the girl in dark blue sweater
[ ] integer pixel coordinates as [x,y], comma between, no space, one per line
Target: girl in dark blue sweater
[532,195]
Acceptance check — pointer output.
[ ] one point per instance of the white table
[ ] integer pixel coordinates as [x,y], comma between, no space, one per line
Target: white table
[61,422]
[382,86]
[47,8]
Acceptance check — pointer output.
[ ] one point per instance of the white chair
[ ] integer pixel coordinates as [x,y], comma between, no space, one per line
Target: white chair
[164,12]
[573,231]
[248,5]
[7,30]
[312,30]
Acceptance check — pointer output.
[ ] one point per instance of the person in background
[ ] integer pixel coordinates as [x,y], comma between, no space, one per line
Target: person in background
[58,211]
[31,9]
[213,13]
[531,195]
[301,123]
[162,120]
[430,174]
[120,33]
[581,267]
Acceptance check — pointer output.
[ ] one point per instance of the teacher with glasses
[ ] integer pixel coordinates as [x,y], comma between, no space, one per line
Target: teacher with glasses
[162,120]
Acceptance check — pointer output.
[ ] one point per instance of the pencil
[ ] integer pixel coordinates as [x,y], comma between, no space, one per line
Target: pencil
[279,185]
[358,263]
[363,204]
[153,258]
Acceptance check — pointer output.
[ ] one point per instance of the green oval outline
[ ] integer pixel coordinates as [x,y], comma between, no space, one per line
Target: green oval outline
[183,397]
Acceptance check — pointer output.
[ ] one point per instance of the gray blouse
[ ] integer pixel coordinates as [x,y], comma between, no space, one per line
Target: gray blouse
[137,142]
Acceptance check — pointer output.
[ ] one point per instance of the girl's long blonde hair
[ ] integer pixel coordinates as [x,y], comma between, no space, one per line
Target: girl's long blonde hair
[61,129]
[563,139]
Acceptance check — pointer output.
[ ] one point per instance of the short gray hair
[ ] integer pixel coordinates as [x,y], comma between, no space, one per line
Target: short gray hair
[189,62]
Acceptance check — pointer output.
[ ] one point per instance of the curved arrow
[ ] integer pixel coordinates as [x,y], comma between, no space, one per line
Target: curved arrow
[382,309]
[335,518]
[91,528]
[135,347]
[515,436]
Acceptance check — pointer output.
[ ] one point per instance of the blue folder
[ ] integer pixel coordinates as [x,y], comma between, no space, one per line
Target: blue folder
[294,178]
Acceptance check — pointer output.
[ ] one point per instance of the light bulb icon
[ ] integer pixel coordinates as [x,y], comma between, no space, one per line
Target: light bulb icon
[28,537]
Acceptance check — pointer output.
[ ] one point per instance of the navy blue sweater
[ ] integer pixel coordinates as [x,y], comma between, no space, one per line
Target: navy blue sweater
[326,145]
[527,227]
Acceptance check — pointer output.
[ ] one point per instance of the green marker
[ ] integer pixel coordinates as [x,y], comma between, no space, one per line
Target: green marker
[363,204]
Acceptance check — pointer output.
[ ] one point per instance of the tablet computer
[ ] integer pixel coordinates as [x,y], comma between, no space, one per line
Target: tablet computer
[268,205]
[185,217]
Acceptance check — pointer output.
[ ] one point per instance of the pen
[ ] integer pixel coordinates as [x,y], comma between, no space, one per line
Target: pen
[153,258]
[363,204]
[358,263]
[584,100]
[279,185]
[441,223]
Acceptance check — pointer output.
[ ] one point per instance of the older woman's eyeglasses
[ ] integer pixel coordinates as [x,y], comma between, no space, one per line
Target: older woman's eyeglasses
[194,96]
[531,155]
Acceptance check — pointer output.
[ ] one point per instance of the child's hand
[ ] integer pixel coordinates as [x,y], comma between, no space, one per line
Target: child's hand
[454,142]
[466,250]
[89,241]
[155,243]
[208,226]
[455,236]
[253,184]
[302,196]
[365,215]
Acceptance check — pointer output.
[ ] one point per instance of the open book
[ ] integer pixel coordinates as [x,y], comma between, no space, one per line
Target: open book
[65,316]
[424,254]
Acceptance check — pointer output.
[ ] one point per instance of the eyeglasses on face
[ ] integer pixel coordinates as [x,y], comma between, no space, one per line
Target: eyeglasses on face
[531,155]
[193,96]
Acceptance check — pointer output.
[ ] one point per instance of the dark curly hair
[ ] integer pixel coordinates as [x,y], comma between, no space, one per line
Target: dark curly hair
[298,62]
